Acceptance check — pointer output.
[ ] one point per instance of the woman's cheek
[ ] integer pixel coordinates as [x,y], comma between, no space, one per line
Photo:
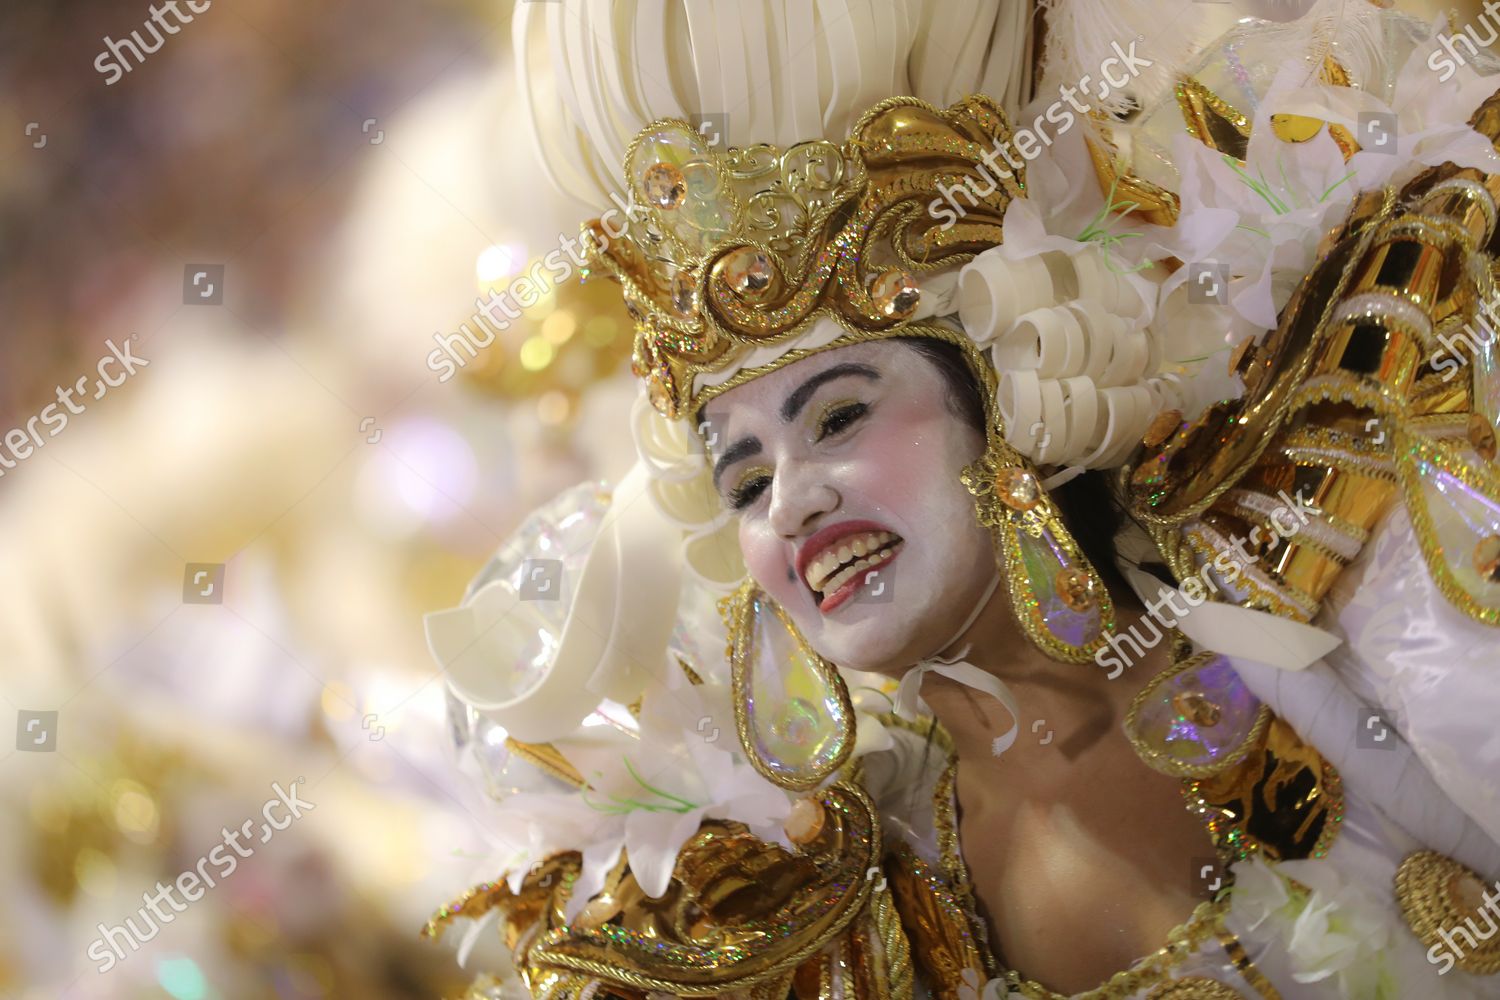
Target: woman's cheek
[892,465]
[766,560]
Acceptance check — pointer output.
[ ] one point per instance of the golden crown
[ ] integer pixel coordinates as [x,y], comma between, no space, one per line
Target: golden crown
[741,248]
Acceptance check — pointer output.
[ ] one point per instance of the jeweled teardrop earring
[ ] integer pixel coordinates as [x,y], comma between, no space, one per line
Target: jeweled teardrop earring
[791,708]
[1055,592]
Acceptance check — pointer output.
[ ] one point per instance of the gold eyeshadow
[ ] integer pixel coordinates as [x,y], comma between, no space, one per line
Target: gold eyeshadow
[828,409]
[745,478]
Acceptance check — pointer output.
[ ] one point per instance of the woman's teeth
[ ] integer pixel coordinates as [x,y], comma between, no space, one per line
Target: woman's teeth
[835,567]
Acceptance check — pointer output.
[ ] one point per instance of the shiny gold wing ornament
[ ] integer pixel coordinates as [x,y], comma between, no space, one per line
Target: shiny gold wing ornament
[1357,398]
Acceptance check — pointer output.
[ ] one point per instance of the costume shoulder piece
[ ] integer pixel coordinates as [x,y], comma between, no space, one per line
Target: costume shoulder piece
[636,848]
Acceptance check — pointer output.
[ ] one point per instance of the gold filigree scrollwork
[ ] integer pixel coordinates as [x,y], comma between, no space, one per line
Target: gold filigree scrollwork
[739,248]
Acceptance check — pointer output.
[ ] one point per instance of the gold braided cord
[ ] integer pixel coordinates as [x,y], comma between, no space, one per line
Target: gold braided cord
[896,967]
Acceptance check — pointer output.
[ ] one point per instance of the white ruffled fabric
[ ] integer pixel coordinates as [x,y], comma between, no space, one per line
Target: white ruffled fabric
[1345,937]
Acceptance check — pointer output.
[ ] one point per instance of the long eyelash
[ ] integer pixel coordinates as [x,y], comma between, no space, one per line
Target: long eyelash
[751,485]
[842,412]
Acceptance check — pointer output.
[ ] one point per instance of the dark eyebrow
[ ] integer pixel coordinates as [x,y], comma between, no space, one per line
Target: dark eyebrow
[800,395]
[743,448]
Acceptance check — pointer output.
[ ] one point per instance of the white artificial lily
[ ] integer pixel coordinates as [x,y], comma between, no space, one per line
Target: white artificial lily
[1334,923]
[1065,211]
[1260,221]
[1430,111]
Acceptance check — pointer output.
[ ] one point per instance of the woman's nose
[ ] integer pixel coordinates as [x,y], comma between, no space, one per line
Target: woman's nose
[800,495]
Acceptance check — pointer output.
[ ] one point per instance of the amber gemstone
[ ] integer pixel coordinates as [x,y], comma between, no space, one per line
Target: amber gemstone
[895,294]
[748,271]
[805,821]
[665,185]
[1487,558]
[1482,436]
[1197,708]
[683,288]
[1163,427]
[659,392]
[1018,489]
[1076,589]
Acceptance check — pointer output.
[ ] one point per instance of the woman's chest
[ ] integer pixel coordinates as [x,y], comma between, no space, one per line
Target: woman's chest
[1074,895]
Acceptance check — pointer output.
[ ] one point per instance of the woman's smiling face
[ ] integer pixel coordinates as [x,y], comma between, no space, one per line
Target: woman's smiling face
[843,469]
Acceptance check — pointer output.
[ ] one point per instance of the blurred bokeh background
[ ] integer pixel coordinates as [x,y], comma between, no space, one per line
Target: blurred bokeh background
[215,573]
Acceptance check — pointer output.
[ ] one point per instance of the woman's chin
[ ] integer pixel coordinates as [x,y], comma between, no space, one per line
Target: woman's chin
[873,654]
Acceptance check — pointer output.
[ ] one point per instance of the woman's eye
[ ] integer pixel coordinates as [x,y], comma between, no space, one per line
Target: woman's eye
[840,416]
[749,488]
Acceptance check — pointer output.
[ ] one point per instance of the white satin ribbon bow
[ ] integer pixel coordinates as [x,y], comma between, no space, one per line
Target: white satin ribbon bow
[908,700]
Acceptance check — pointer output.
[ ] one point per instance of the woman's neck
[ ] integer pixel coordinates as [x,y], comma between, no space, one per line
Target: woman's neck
[1076,703]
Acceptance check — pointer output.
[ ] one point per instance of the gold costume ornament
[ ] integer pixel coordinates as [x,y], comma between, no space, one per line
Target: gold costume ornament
[791,708]
[1055,592]
[744,248]
[1348,404]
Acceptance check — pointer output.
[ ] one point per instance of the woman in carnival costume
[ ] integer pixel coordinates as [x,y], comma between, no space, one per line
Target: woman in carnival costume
[1063,557]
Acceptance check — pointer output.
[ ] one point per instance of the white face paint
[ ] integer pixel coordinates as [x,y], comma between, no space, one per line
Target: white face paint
[843,469]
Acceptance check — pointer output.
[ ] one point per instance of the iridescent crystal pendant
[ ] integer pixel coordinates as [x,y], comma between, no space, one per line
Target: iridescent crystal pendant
[795,720]
[1056,593]
[1454,502]
[1195,718]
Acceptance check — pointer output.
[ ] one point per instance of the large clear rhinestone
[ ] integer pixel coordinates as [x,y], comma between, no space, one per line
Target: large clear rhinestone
[683,288]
